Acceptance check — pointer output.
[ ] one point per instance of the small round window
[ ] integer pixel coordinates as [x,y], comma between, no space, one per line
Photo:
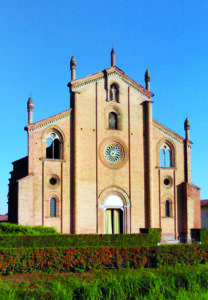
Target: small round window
[53,181]
[166,181]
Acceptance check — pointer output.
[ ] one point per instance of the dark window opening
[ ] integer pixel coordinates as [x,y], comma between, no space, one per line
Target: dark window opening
[53,148]
[53,181]
[53,207]
[167,208]
[113,123]
[166,181]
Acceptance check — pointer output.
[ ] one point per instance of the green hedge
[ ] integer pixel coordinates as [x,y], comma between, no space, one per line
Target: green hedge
[82,240]
[73,259]
[13,229]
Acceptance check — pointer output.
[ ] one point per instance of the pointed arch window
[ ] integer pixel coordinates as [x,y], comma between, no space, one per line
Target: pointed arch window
[53,146]
[113,120]
[165,157]
[53,207]
[114,92]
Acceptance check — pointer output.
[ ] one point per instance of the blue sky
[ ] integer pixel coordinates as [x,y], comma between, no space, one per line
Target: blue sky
[38,38]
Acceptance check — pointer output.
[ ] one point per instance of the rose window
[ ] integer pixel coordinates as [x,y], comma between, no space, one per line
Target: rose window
[113,153]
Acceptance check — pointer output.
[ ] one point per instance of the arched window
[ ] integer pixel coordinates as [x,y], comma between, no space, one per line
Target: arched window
[113,122]
[53,207]
[53,146]
[167,208]
[114,92]
[165,157]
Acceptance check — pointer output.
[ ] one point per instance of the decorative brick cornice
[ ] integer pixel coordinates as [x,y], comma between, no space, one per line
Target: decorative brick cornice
[48,121]
[169,133]
[112,71]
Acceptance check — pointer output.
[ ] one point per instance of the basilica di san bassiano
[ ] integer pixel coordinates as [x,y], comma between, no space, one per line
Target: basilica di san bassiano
[105,165]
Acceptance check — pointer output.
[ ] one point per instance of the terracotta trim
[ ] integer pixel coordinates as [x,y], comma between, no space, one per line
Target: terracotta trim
[169,131]
[62,179]
[96,127]
[43,166]
[159,190]
[129,151]
[96,76]
[53,118]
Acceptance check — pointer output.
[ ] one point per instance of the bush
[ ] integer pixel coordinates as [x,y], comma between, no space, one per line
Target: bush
[73,259]
[13,229]
[79,240]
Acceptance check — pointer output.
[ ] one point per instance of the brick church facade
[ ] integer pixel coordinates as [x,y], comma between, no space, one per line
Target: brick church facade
[105,165]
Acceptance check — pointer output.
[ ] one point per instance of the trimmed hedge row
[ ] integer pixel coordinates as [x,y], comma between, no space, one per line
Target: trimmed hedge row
[73,259]
[82,240]
[13,229]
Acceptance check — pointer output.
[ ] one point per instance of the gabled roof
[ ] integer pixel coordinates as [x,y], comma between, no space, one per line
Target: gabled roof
[93,77]
[169,132]
[48,121]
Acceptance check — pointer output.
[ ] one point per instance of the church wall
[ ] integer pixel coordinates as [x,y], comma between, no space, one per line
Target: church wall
[172,192]
[84,158]
[108,177]
[137,160]
[194,216]
[92,174]
[25,201]
[43,169]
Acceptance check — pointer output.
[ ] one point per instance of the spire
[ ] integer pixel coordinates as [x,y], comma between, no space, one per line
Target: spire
[187,128]
[73,68]
[187,152]
[113,59]
[147,79]
[30,107]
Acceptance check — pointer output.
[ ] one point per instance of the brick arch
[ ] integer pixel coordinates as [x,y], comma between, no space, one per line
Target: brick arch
[172,147]
[55,129]
[113,190]
[171,203]
[113,108]
[48,201]
[61,136]
[117,88]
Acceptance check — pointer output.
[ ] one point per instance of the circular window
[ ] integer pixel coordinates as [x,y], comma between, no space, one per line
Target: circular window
[53,181]
[113,153]
[166,181]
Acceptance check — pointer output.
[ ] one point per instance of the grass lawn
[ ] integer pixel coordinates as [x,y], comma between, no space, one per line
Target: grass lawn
[162,283]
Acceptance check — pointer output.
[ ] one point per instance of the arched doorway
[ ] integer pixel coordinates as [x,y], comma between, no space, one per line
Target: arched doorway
[114,211]
[113,215]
